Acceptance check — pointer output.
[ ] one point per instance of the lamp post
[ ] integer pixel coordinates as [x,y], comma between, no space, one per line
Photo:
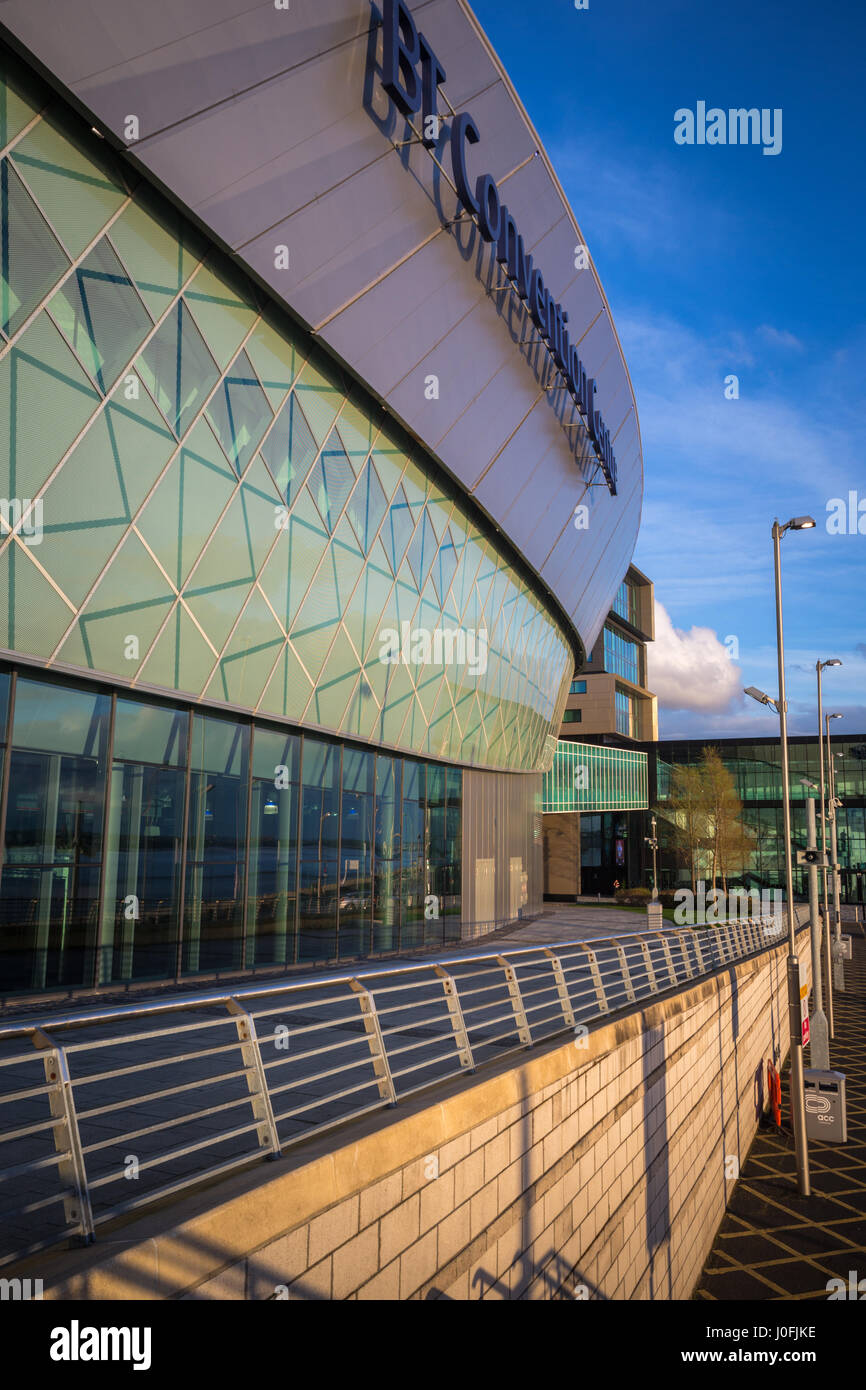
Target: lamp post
[819,1036]
[798,1102]
[820,666]
[798,1099]
[652,841]
[837,930]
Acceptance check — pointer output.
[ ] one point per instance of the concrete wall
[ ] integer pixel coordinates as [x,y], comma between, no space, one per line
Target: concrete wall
[598,1167]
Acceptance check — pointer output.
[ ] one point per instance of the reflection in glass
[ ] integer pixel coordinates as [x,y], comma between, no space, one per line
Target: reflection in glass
[216,832]
[53,835]
[273,864]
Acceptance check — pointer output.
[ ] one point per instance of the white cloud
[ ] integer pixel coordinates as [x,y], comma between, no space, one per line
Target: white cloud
[691,670]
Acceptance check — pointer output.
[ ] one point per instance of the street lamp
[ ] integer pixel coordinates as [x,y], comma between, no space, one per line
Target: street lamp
[798,1100]
[831,816]
[819,667]
[652,841]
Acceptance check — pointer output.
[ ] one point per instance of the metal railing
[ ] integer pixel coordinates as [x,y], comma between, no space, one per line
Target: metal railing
[106,1111]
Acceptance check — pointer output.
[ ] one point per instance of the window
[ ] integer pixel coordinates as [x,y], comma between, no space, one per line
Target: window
[578,688]
[625,720]
[572,716]
[621,656]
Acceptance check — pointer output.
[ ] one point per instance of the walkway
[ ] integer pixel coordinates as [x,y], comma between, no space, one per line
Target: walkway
[774,1244]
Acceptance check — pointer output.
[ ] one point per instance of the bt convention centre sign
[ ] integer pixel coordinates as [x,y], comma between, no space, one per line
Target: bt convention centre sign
[411,75]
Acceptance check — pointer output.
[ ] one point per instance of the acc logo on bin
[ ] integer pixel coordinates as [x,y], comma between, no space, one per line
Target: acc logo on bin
[817,1105]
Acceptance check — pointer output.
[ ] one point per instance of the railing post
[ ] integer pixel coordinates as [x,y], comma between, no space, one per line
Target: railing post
[373,1029]
[651,974]
[458,1023]
[516,998]
[595,973]
[257,1082]
[668,957]
[629,987]
[561,986]
[687,965]
[71,1169]
[696,938]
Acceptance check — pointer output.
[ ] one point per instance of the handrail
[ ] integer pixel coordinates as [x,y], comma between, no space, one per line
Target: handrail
[331,1049]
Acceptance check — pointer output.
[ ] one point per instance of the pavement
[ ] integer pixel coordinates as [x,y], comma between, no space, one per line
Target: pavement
[774,1244]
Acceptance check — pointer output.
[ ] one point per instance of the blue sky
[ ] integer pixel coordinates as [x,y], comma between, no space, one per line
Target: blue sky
[721,260]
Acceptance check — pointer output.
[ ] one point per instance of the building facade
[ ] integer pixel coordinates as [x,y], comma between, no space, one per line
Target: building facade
[295,435]
[597,842]
[755,765]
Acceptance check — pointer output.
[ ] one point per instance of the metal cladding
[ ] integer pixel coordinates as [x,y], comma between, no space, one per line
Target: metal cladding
[273,127]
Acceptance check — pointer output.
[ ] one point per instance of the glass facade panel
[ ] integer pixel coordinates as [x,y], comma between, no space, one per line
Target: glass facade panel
[53,836]
[621,656]
[233,448]
[273,852]
[216,841]
[591,777]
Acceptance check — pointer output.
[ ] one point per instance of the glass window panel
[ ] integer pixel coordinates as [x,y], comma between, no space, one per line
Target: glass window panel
[273,857]
[32,260]
[290,449]
[148,733]
[77,196]
[178,369]
[50,903]
[101,314]
[273,749]
[320,835]
[239,412]
[141,895]
[60,719]
[158,249]
[216,835]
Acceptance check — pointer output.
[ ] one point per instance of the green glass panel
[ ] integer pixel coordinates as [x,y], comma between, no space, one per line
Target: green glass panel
[177,368]
[364,616]
[422,548]
[357,432]
[397,529]
[320,401]
[290,449]
[398,695]
[99,489]
[45,399]
[239,412]
[367,507]
[239,546]
[288,690]
[276,361]
[335,685]
[158,250]
[112,617]
[77,196]
[181,659]
[32,260]
[217,609]
[101,314]
[34,616]
[246,665]
[183,511]
[390,465]
[20,100]
[331,480]
[221,311]
[416,486]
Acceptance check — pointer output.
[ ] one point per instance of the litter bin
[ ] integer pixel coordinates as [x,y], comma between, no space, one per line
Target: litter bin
[826,1117]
